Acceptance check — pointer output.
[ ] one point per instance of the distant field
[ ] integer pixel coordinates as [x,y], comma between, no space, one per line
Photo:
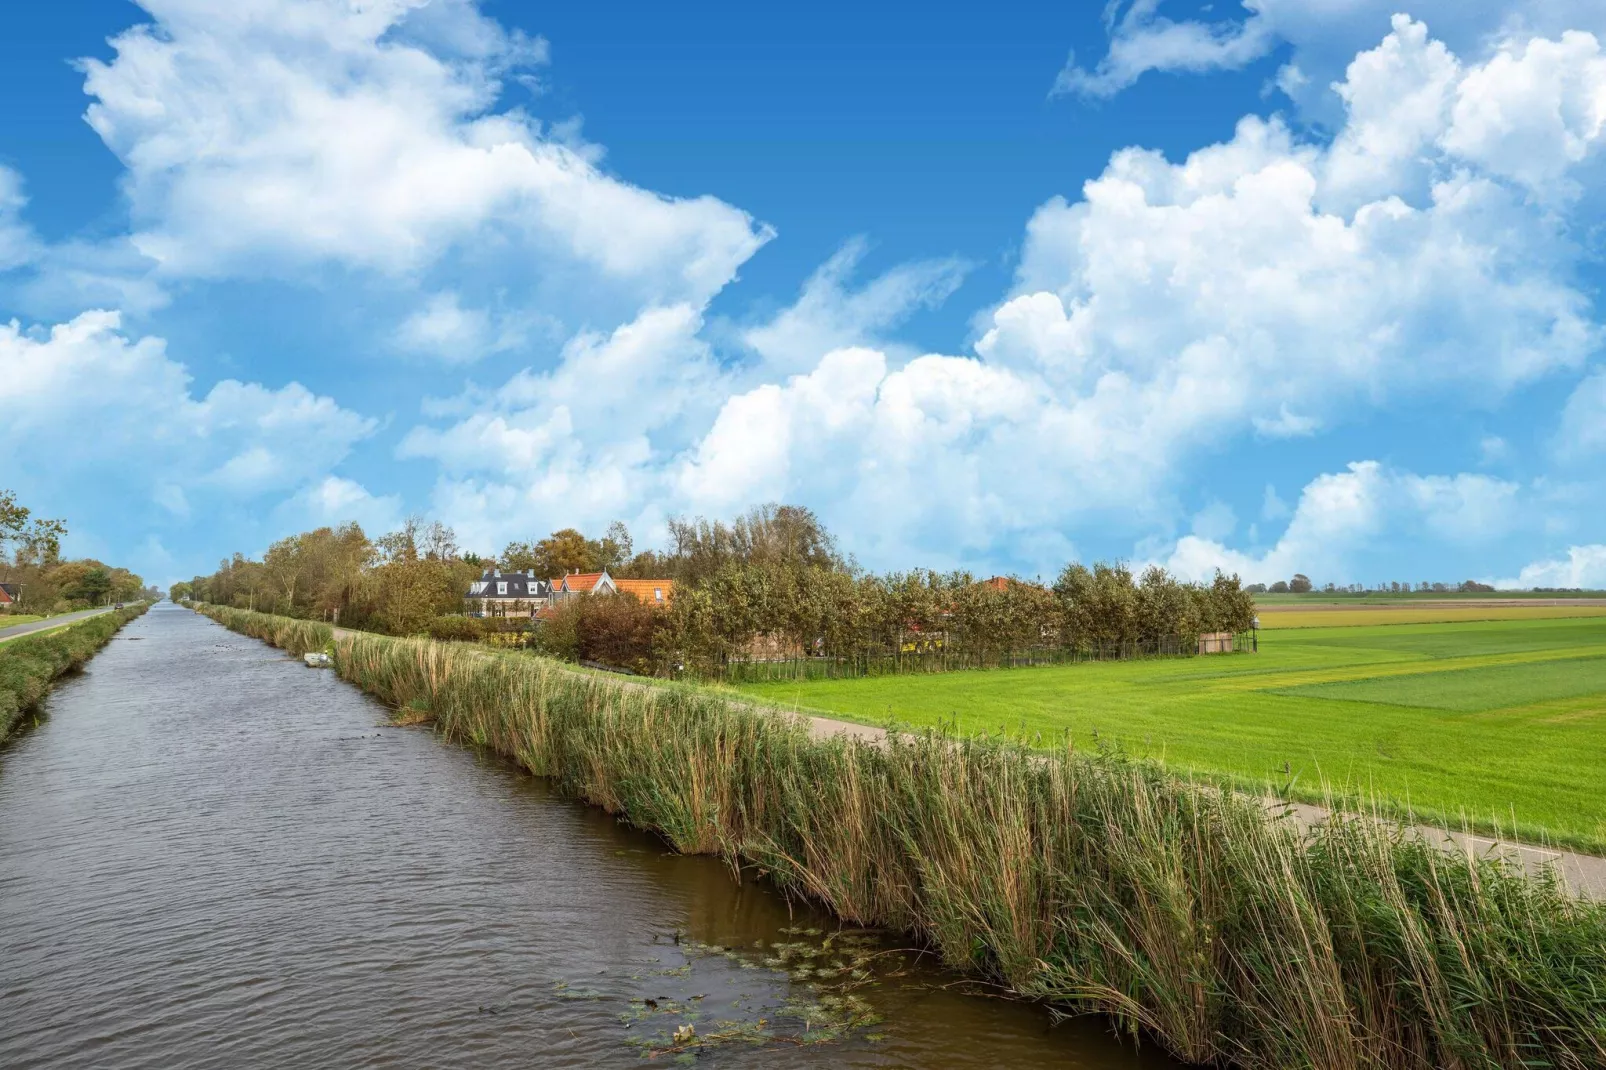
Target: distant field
[1496,718]
[1379,598]
[1349,615]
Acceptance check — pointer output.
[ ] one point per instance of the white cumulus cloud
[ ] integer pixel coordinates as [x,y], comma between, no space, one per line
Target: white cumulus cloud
[274,136]
[1345,517]
[83,397]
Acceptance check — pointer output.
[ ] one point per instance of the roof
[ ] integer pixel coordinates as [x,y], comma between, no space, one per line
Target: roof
[520,585]
[10,592]
[650,591]
[545,613]
[582,581]
[997,583]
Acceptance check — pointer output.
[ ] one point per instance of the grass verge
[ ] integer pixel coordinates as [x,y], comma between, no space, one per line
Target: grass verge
[30,664]
[1180,909]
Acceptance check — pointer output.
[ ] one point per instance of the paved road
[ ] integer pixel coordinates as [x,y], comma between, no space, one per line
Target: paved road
[49,623]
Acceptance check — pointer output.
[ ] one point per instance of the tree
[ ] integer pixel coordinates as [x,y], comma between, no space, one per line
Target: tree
[37,540]
[86,582]
[1300,584]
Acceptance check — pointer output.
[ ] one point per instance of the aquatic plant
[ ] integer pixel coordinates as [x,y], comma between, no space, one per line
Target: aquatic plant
[29,664]
[1183,910]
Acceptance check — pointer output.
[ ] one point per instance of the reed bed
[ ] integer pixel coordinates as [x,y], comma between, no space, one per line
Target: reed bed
[30,664]
[287,633]
[1181,910]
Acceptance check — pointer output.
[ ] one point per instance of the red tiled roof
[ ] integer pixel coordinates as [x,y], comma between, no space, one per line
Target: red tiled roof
[648,591]
[582,581]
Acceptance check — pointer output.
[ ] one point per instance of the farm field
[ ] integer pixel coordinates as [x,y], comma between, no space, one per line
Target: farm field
[1355,614]
[1502,722]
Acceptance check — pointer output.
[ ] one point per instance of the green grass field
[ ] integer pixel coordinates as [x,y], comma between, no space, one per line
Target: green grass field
[1501,721]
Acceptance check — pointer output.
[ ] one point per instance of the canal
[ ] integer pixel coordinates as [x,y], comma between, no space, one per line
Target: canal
[211,856]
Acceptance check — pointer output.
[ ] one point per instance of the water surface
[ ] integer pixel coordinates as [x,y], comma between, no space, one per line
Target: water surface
[211,856]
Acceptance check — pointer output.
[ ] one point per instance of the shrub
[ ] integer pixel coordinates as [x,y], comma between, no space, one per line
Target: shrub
[457,629]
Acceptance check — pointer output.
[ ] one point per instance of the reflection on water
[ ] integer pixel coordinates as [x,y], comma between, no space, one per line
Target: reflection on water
[211,856]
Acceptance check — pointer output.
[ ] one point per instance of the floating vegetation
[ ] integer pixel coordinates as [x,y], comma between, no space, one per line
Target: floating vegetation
[825,1001]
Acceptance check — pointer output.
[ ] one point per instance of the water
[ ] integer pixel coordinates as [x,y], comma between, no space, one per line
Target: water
[211,856]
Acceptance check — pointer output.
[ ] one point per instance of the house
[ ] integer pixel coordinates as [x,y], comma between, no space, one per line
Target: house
[10,594]
[576,583]
[503,593]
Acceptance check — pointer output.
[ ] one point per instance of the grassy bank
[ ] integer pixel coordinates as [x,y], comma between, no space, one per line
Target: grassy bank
[1092,882]
[31,663]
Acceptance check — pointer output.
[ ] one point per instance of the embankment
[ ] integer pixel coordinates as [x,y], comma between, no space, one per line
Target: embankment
[30,664]
[1094,883]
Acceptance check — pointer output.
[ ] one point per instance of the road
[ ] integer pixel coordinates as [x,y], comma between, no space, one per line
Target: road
[50,622]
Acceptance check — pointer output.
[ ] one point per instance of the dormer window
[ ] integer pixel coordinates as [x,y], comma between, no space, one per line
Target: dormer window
[501,588]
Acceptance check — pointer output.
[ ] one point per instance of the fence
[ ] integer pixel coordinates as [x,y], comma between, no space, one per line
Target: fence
[854,666]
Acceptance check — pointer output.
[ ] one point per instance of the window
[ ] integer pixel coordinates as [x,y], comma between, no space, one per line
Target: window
[658,593]
[501,588]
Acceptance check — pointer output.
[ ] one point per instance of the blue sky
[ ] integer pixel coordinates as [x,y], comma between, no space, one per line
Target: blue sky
[1276,287]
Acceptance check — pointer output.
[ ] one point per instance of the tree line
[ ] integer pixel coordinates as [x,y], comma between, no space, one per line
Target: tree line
[31,562]
[772,583]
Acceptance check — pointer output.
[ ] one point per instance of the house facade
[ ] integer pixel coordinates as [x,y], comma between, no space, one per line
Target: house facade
[503,593]
[10,594]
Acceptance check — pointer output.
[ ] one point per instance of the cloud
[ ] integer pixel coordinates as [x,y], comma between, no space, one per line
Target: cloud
[1344,519]
[1584,566]
[270,137]
[1583,420]
[85,400]
[18,245]
[336,500]
[586,441]
[830,315]
[1321,37]
[1143,40]
[442,328]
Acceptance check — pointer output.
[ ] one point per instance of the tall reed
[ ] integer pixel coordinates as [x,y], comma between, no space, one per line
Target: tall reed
[287,633]
[1182,910]
[30,664]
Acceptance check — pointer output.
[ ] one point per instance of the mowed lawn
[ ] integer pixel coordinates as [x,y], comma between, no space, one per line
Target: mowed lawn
[1504,721]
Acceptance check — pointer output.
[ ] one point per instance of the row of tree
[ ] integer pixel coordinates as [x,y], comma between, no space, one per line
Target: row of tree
[31,563]
[770,584]
[1301,584]
[398,583]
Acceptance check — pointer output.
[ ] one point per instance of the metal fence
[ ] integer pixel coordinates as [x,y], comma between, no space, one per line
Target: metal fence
[847,667]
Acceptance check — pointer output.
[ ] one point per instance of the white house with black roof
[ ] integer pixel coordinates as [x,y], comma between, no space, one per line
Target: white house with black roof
[502,593]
